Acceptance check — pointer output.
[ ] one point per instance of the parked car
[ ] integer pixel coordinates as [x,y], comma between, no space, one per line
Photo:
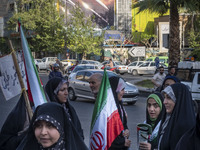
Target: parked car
[120,68]
[82,67]
[46,62]
[194,86]
[37,63]
[148,68]
[67,63]
[134,65]
[79,86]
[162,59]
[90,62]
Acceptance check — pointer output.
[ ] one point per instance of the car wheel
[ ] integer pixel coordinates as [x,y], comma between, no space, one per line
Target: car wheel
[122,73]
[131,103]
[71,95]
[135,73]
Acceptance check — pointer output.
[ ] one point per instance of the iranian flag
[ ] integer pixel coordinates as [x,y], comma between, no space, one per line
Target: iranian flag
[35,89]
[106,124]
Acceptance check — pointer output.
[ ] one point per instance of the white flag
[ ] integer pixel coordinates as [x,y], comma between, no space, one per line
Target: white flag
[9,81]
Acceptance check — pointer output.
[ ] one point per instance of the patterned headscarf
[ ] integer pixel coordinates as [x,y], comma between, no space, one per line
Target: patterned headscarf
[60,144]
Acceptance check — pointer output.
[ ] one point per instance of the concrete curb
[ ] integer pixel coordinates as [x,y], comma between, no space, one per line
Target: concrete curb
[144,91]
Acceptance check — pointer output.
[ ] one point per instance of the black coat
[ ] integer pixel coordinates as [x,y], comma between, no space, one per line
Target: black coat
[182,118]
[191,139]
[118,143]
[71,137]
[9,138]
[49,89]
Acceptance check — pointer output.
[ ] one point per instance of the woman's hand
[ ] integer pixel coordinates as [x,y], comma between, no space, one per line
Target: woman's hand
[145,146]
[127,142]
[126,133]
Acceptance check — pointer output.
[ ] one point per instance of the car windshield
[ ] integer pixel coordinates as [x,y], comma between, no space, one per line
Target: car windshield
[118,63]
[77,68]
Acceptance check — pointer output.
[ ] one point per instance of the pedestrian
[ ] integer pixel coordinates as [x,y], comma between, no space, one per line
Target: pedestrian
[51,129]
[169,80]
[74,65]
[61,67]
[171,71]
[157,61]
[95,83]
[57,91]
[110,64]
[178,118]
[128,62]
[121,142]
[154,112]
[158,78]
[191,139]
[55,72]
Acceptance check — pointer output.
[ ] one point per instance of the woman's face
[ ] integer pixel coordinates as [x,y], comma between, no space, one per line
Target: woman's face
[153,108]
[46,134]
[169,104]
[168,82]
[63,93]
[120,95]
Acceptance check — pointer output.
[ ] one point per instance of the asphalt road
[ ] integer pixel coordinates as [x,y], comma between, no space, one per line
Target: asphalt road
[84,108]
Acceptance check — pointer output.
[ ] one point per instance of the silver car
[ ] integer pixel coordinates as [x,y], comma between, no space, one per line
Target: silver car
[79,86]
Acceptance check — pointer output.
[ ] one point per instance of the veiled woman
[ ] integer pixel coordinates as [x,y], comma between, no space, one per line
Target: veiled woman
[51,129]
[57,91]
[154,112]
[121,142]
[178,118]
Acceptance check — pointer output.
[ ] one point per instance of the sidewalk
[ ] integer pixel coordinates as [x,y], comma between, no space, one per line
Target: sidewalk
[143,91]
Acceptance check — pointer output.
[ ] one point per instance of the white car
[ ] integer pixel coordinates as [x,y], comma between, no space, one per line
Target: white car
[120,68]
[93,62]
[148,68]
[79,86]
[134,65]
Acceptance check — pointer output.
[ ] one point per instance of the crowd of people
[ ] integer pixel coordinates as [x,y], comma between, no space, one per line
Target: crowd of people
[56,125]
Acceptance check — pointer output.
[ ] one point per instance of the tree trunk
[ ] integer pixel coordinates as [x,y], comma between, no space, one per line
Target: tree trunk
[174,35]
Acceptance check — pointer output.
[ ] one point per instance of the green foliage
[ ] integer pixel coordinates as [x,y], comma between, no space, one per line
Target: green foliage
[145,83]
[43,18]
[194,42]
[4,46]
[80,36]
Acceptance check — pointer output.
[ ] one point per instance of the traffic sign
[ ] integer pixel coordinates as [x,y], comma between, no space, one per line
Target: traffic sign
[137,51]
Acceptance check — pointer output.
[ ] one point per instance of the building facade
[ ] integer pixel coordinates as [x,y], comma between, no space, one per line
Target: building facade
[123,16]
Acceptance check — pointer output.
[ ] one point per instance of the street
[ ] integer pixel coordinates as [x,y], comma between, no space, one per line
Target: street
[84,109]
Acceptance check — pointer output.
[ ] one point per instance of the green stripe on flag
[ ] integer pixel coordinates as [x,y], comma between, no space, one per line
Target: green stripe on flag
[101,99]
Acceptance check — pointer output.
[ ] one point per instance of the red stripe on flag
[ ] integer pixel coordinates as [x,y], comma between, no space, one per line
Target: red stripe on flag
[114,127]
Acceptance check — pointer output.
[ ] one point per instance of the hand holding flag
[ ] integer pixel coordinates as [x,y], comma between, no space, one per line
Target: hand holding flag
[106,124]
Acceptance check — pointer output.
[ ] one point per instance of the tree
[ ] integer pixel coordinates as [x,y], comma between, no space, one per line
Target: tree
[43,18]
[161,7]
[80,35]
[148,40]
[194,39]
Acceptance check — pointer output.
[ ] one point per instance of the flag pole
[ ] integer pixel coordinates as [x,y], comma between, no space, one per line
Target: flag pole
[28,106]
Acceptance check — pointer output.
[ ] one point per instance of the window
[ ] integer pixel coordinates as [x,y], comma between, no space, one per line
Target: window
[133,64]
[152,64]
[87,76]
[80,76]
[145,64]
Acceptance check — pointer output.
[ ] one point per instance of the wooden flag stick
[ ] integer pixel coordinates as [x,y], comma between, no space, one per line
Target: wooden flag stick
[28,106]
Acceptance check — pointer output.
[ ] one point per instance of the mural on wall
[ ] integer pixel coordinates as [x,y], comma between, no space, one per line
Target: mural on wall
[103,10]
